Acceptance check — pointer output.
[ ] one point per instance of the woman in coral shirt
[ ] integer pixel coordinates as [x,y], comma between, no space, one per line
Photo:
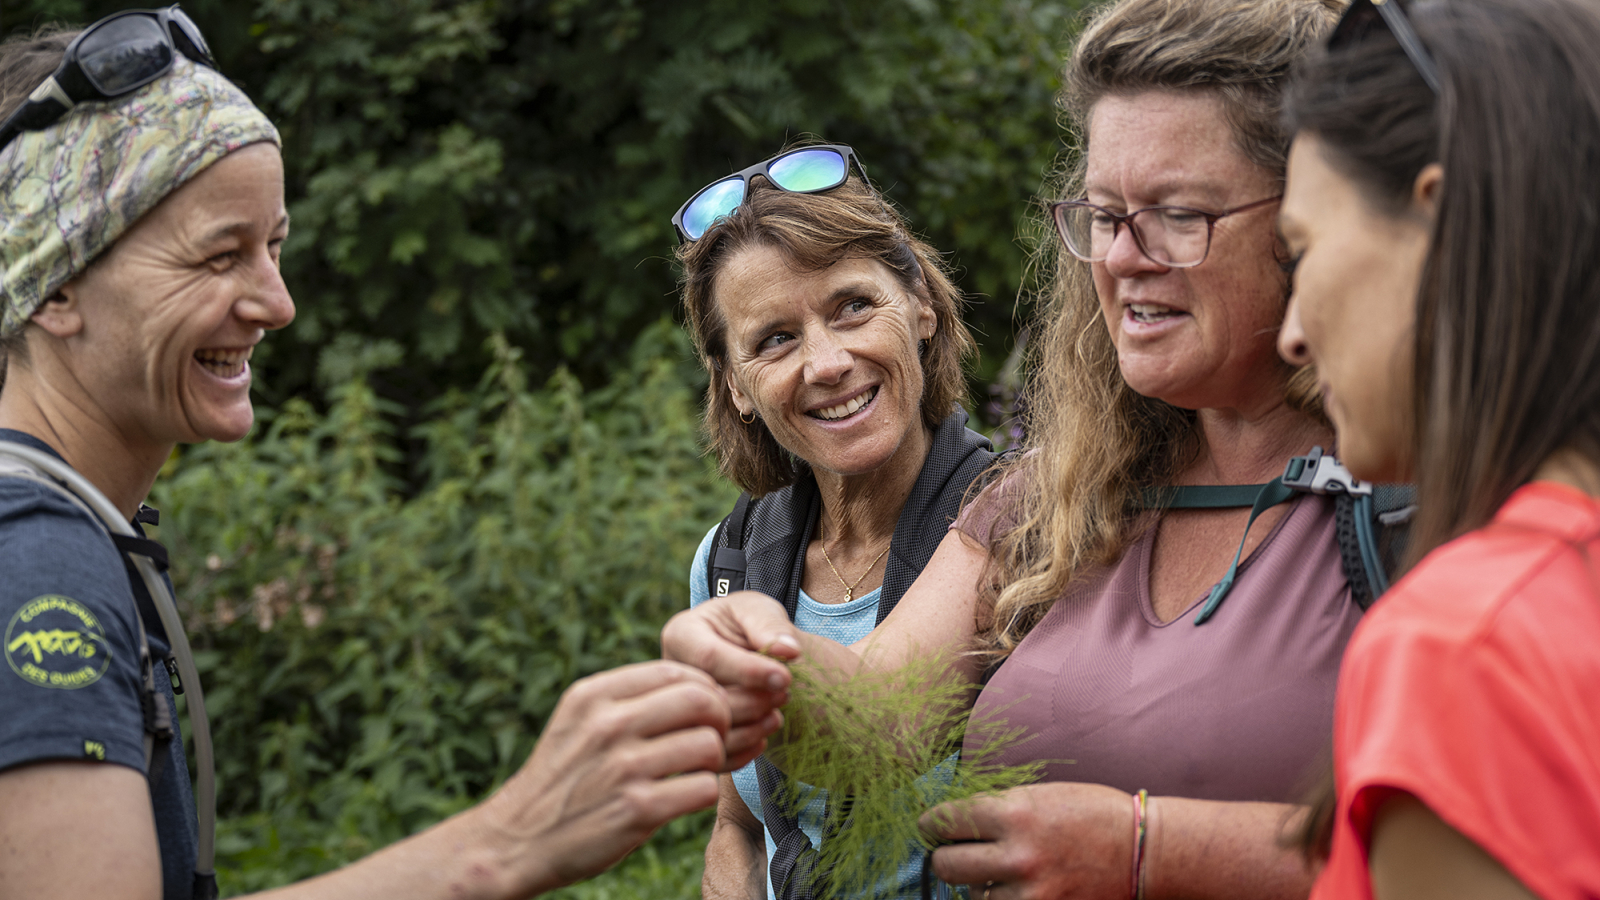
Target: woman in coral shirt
[1442,214]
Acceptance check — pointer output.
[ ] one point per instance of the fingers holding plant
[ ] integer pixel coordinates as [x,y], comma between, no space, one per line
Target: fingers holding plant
[623,753]
[1043,840]
[743,641]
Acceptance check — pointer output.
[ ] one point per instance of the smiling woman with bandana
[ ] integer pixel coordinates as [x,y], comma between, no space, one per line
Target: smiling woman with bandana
[138,269]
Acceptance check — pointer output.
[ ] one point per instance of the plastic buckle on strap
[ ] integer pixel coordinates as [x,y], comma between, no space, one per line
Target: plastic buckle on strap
[1318,473]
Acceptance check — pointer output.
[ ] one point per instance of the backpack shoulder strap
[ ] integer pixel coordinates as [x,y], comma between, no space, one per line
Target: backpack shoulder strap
[1370,521]
[725,572]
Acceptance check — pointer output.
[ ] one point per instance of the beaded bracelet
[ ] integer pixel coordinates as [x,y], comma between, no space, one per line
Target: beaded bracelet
[1141,807]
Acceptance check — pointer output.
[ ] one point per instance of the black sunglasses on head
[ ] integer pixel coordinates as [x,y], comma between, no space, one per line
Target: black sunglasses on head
[1363,16]
[117,55]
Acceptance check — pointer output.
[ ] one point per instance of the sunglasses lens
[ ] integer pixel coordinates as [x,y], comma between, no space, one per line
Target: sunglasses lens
[805,171]
[124,53]
[712,204]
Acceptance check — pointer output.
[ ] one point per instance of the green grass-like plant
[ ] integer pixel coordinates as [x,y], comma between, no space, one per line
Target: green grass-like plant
[881,746]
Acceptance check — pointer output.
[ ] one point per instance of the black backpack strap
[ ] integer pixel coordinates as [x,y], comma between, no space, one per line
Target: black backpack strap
[726,571]
[142,546]
[958,457]
[793,867]
[1370,521]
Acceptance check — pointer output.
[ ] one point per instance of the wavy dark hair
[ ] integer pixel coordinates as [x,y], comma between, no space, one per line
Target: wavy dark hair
[814,231]
[1507,365]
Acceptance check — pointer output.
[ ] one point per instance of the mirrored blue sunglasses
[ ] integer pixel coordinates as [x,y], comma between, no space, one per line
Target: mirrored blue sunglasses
[807,170]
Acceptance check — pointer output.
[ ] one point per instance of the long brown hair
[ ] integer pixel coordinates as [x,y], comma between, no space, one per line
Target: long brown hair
[1507,343]
[814,231]
[1098,443]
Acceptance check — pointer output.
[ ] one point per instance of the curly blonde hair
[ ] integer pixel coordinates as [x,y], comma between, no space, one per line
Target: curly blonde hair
[1074,502]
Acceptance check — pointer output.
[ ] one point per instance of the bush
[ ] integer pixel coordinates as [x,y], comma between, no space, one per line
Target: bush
[376,660]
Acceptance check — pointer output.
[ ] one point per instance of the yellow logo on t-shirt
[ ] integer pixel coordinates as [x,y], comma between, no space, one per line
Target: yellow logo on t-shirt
[55,642]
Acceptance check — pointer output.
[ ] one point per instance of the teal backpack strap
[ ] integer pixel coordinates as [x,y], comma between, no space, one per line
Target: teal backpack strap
[1202,496]
[1259,497]
[1271,494]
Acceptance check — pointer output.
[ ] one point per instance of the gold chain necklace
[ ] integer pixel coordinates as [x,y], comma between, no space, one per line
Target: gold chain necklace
[850,589]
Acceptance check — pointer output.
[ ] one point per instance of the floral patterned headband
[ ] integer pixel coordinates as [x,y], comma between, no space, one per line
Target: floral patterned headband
[69,191]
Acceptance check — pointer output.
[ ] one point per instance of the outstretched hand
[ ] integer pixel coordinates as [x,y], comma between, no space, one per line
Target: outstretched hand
[743,641]
[624,752]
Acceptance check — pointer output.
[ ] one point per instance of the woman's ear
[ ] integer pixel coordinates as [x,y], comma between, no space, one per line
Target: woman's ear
[741,401]
[1426,189]
[927,319]
[62,314]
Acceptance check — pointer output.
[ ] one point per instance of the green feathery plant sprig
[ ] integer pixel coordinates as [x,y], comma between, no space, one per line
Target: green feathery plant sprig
[881,747]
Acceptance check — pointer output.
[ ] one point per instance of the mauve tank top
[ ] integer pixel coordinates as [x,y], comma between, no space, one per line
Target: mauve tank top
[1240,708]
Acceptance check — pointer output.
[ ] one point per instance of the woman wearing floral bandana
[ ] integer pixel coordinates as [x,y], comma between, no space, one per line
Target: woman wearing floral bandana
[142,225]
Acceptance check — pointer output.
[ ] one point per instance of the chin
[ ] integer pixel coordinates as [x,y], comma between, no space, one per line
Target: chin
[227,429]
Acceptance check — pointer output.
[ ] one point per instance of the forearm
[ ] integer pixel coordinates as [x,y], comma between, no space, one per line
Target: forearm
[1199,849]
[736,856]
[455,859]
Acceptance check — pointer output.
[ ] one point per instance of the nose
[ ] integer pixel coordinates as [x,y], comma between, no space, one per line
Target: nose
[1126,259]
[828,361]
[1292,344]
[266,302]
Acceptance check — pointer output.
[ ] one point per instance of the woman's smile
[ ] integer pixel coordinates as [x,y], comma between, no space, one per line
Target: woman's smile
[838,412]
[226,363]
[826,358]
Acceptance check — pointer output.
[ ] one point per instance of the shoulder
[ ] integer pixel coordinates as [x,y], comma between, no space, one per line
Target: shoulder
[1470,686]
[993,506]
[70,684]
[45,538]
[700,567]
[1523,579]
[61,567]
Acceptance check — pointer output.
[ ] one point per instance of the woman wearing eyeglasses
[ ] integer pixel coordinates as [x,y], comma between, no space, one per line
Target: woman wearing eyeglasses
[1180,706]
[1449,294]
[141,220]
[834,342]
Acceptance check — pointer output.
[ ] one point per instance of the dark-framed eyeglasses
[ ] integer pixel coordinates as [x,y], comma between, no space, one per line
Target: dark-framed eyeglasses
[805,170]
[1363,16]
[1175,236]
[117,55]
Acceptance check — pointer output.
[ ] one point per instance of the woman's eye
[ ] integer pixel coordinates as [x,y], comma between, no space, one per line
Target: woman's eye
[774,341]
[223,260]
[1289,266]
[857,306]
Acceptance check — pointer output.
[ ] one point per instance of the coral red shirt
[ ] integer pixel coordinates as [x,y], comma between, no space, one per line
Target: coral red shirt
[1475,686]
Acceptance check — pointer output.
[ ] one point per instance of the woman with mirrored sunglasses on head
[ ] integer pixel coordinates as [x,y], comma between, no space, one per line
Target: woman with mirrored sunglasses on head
[1448,292]
[141,220]
[835,344]
[1181,703]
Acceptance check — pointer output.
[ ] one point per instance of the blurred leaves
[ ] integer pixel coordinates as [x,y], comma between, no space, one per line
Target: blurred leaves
[376,661]
[458,169]
[478,475]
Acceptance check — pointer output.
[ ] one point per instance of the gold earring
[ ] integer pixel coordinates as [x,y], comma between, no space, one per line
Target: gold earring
[749,421]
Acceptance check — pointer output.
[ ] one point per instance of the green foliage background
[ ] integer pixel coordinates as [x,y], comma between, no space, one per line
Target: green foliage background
[477,474]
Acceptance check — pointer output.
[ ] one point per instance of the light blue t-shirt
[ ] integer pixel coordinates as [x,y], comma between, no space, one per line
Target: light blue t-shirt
[843,623]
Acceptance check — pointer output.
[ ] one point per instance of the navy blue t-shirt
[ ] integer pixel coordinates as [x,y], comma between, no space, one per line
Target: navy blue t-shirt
[71,685]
